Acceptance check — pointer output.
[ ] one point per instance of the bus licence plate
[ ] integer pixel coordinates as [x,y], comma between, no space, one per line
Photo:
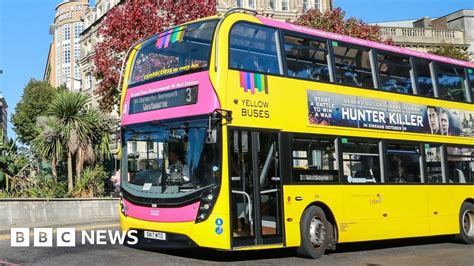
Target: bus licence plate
[155,235]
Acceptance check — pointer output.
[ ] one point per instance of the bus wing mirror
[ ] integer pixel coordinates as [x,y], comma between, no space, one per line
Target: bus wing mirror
[211,136]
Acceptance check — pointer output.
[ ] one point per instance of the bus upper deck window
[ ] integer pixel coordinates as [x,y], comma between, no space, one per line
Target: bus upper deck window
[394,72]
[253,48]
[470,75]
[353,66]
[306,58]
[423,77]
[451,85]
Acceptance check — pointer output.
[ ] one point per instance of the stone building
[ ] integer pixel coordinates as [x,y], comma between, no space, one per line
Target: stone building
[64,52]
[427,33]
[89,39]
[277,9]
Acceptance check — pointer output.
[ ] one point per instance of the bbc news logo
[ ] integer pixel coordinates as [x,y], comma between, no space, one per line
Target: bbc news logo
[66,237]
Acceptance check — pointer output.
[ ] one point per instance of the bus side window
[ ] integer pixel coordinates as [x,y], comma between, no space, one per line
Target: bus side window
[361,161]
[253,48]
[423,77]
[433,163]
[306,58]
[460,165]
[451,82]
[470,75]
[353,67]
[394,72]
[403,163]
[314,160]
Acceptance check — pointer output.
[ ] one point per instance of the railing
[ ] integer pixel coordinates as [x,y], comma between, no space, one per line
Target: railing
[423,35]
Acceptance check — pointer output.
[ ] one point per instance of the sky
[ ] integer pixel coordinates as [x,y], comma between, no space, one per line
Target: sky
[25,39]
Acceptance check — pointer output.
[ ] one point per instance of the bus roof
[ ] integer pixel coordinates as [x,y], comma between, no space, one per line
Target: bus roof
[339,37]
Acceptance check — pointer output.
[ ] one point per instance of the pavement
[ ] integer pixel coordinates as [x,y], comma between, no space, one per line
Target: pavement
[66,223]
[417,251]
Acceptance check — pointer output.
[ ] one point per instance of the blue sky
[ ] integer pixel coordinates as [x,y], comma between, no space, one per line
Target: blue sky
[25,39]
[391,10]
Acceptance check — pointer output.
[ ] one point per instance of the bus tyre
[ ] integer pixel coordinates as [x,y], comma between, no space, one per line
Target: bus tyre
[466,220]
[315,233]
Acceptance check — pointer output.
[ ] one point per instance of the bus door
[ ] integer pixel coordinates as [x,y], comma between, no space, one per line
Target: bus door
[256,193]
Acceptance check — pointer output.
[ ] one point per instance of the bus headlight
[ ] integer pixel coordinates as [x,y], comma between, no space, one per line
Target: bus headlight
[208,199]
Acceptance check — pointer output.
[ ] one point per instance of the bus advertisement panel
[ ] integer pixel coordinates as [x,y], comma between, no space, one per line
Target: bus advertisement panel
[333,109]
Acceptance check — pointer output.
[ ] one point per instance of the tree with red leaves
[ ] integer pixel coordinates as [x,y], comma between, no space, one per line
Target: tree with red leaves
[130,22]
[333,21]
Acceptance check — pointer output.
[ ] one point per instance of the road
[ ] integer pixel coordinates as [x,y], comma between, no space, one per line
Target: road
[423,251]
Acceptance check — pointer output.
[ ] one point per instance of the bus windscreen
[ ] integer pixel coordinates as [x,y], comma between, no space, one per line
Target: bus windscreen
[180,50]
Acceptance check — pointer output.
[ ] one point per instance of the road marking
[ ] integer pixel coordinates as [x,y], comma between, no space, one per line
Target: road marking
[91,227]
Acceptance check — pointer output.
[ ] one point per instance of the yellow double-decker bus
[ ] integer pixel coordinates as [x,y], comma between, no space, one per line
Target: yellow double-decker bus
[240,132]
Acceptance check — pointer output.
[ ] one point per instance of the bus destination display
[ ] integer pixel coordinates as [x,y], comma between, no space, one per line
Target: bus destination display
[163,100]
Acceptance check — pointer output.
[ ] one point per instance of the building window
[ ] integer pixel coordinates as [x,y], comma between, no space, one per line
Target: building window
[89,81]
[77,52]
[353,66]
[284,5]
[78,28]
[305,5]
[238,3]
[66,77]
[317,5]
[394,72]
[66,54]
[57,36]
[58,61]
[66,32]
[403,163]
[253,48]
[306,58]
[107,5]
[134,146]
[271,3]
[150,146]
[251,4]
[77,74]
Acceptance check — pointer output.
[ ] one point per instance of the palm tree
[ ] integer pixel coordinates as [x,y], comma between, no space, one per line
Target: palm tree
[69,108]
[96,146]
[49,143]
[82,133]
[12,163]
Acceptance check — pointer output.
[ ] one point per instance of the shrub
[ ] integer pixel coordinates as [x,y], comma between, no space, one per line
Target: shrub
[38,185]
[91,183]
[43,186]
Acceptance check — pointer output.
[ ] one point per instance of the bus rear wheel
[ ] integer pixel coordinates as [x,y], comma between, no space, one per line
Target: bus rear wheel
[466,220]
[316,231]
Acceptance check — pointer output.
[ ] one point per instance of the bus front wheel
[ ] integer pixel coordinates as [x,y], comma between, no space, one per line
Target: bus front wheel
[316,231]
[466,220]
